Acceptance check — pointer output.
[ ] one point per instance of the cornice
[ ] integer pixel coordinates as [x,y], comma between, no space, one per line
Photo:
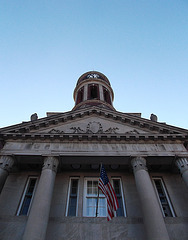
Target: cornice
[97,137]
[159,129]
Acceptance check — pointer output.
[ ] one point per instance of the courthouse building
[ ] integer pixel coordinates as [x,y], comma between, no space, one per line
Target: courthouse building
[49,170]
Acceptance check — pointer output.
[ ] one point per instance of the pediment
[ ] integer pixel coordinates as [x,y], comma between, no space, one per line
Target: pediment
[92,125]
[93,121]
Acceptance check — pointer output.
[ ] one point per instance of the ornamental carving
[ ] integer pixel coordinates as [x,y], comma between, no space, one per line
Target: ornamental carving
[138,163]
[111,130]
[77,130]
[132,132]
[93,127]
[182,164]
[50,163]
[93,75]
[55,131]
[6,163]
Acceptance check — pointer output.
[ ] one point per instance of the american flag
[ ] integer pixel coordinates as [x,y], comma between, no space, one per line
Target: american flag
[107,189]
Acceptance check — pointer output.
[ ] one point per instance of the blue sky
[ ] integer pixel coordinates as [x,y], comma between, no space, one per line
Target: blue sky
[140,45]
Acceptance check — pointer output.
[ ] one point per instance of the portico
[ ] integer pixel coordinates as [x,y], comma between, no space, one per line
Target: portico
[50,167]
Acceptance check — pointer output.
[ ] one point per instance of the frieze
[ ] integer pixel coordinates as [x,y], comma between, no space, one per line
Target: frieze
[89,148]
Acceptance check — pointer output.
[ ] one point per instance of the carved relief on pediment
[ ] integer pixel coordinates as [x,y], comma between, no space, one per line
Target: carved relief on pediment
[94,127]
[55,131]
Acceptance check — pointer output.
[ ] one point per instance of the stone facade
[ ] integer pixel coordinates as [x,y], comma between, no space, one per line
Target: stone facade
[46,166]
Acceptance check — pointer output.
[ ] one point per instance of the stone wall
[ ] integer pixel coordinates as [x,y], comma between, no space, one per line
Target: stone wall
[84,228]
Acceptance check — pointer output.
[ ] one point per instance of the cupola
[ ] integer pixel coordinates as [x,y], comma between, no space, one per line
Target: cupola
[93,89]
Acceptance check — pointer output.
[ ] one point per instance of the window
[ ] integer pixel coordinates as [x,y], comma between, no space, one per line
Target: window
[118,191]
[73,197]
[27,196]
[80,95]
[106,96]
[90,200]
[91,194]
[93,92]
[164,200]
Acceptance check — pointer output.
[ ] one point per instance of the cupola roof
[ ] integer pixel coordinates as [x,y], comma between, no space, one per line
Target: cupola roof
[93,89]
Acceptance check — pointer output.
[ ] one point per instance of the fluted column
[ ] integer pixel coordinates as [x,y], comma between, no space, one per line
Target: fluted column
[101,94]
[6,163]
[182,164]
[152,215]
[39,214]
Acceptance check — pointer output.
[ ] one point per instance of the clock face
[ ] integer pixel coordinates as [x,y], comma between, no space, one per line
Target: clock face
[93,75]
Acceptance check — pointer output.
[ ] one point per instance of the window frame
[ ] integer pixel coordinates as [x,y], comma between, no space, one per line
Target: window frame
[68,194]
[90,86]
[166,195]
[112,182]
[80,95]
[86,179]
[24,195]
[106,95]
[122,195]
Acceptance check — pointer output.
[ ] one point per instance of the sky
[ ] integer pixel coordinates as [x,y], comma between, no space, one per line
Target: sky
[140,45]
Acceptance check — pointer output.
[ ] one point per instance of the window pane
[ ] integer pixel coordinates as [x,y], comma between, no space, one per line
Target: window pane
[163,198]
[92,187]
[120,211]
[73,198]
[102,207]
[91,207]
[26,202]
[25,206]
[72,206]
[117,189]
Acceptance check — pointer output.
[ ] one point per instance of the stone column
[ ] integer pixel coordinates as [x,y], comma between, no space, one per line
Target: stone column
[182,164]
[101,94]
[85,92]
[6,163]
[152,215]
[39,214]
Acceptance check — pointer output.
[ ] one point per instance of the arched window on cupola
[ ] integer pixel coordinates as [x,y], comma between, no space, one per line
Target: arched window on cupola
[80,95]
[93,91]
[106,96]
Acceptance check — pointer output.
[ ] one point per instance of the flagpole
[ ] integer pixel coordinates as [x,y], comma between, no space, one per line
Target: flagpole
[98,194]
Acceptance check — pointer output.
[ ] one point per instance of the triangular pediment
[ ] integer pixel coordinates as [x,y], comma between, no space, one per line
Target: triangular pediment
[92,125]
[93,121]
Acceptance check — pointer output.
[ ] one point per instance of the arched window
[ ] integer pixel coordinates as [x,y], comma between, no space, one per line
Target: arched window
[93,91]
[80,95]
[106,96]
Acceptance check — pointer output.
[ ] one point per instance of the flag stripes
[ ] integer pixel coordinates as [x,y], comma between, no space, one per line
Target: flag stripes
[107,189]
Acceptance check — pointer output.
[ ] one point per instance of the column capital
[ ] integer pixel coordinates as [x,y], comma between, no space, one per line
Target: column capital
[182,164]
[50,163]
[138,163]
[6,163]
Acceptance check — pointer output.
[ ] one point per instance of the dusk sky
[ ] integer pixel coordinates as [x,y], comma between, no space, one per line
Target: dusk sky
[140,45]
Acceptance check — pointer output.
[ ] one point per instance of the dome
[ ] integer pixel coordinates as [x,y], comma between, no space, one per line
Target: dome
[93,89]
[93,75]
